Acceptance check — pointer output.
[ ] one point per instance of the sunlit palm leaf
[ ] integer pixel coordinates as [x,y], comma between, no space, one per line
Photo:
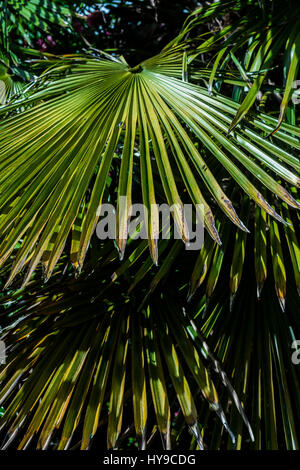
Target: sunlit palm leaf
[57,154]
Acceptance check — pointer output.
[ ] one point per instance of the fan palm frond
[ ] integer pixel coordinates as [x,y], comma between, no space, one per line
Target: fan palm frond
[58,152]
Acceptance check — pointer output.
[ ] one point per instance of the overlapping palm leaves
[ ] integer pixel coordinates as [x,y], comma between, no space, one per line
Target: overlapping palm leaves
[57,153]
[268,240]
[264,31]
[168,140]
[253,340]
[143,346]
[105,342]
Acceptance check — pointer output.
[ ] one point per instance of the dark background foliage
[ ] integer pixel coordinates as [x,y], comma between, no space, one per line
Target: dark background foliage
[140,27]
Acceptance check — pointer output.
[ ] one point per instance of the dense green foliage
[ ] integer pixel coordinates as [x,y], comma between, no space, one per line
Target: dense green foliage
[145,339]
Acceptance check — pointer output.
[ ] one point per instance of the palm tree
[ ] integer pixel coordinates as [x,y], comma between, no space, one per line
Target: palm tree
[112,334]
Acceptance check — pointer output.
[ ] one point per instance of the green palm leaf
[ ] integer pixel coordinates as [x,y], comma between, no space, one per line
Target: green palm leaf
[81,361]
[58,152]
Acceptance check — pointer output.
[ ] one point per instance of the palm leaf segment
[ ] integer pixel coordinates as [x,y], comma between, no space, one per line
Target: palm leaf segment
[57,153]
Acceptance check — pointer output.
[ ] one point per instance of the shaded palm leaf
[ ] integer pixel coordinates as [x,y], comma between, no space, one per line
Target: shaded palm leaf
[74,361]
